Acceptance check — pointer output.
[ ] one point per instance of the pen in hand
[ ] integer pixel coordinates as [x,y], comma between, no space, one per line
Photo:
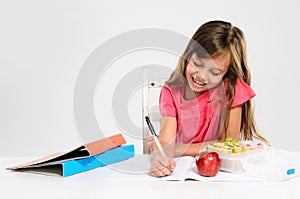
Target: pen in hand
[161,150]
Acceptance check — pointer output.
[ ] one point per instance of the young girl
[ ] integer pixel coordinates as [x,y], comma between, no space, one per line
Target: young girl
[207,97]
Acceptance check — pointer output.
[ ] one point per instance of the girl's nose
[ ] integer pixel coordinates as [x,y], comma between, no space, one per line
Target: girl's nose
[202,76]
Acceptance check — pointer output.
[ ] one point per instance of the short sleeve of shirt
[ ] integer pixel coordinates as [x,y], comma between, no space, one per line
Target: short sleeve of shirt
[243,93]
[166,101]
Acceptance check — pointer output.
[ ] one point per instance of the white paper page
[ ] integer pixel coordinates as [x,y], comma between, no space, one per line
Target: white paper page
[220,177]
[183,165]
[137,168]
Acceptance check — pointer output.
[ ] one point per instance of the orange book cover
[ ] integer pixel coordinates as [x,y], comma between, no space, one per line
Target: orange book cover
[86,150]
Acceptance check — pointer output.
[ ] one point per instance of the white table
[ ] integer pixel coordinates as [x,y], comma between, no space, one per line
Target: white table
[92,184]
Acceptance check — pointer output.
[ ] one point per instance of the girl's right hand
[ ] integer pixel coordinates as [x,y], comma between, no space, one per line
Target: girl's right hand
[162,166]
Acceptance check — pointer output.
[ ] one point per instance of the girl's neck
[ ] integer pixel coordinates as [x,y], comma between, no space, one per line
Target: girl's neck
[189,94]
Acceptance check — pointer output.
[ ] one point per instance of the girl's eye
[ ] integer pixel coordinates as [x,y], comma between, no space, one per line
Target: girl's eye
[197,64]
[215,73]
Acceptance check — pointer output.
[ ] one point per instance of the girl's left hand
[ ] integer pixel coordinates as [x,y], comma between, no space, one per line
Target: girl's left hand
[151,144]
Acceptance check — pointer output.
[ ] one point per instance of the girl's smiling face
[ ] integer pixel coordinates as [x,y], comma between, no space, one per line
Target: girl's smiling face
[205,73]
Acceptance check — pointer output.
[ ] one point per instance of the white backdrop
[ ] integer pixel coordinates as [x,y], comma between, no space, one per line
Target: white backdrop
[43,45]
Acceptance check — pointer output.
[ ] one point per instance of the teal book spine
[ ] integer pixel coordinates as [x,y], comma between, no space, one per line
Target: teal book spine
[111,156]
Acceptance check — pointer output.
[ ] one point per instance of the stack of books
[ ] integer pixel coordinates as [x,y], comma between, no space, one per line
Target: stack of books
[89,156]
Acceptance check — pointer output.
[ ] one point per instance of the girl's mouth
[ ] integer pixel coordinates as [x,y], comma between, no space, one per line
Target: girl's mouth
[198,83]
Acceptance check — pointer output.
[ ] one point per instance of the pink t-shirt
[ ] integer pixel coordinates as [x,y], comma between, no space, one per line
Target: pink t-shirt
[198,119]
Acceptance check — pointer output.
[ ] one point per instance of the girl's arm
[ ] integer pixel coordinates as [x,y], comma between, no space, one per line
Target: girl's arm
[234,126]
[167,134]
[190,149]
[163,166]
[167,138]
[233,131]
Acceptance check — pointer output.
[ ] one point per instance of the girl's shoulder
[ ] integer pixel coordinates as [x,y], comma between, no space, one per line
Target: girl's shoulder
[172,89]
[242,88]
[239,86]
[174,92]
[243,92]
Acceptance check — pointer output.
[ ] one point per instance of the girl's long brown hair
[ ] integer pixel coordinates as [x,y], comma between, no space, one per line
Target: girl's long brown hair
[214,39]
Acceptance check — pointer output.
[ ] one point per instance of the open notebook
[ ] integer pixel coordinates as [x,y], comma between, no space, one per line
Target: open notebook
[186,170]
[274,165]
[138,167]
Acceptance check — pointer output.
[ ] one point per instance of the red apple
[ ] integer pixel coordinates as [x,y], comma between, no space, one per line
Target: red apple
[208,163]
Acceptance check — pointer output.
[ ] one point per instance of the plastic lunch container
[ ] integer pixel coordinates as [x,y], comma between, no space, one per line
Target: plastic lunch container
[233,162]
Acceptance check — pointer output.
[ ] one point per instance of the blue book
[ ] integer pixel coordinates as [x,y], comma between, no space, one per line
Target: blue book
[75,166]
